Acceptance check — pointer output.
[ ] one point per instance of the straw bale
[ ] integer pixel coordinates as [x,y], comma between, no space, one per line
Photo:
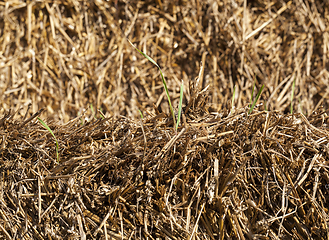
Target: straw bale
[224,174]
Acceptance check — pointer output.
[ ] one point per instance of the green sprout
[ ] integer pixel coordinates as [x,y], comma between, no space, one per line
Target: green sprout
[51,132]
[253,103]
[180,104]
[140,112]
[101,114]
[92,110]
[292,96]
[233,99]
[163,80]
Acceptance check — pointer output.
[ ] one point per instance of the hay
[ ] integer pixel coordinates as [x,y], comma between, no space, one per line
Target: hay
[225,174]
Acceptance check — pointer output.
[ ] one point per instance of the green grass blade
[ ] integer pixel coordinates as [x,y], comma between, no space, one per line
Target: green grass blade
[180,104]
[233,99]
[101,114]
[80,118]
[256,99]
[51,132]
[292,96]
[140,112]
[92,110]
[163,79]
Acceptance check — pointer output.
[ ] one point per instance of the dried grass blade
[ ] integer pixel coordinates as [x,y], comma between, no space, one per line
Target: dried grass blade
[197,222]
[281,10]
[39,199]
[32,117]
[81,231]
[103,223]
[302,179]
[5,232]
[207,225]
[230,178]
[319,131]
[170,143]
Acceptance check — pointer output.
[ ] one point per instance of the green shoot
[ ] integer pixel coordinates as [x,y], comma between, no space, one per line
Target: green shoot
[51,132]
[92,110]
[140,112]
[233,99]
[163,80]
[256,99]
[180,104]
[81,120]
[292,96]
[101,113]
